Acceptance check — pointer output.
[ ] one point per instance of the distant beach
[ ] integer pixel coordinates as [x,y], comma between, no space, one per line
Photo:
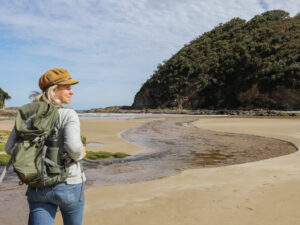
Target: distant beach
[129,116]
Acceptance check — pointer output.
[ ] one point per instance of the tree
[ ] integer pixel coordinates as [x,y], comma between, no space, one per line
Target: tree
[3,96]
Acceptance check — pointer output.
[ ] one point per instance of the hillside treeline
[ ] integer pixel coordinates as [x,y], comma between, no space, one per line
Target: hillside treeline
[239,64]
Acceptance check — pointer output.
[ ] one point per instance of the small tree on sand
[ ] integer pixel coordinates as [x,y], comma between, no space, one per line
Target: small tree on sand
[3,96]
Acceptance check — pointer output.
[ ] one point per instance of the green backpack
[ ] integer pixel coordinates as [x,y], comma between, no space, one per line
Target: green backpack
[36,157]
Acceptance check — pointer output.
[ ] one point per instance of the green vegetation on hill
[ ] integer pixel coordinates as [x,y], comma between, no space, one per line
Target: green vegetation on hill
[239,64]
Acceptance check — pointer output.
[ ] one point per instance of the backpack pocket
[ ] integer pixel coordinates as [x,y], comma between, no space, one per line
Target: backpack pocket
[24,161]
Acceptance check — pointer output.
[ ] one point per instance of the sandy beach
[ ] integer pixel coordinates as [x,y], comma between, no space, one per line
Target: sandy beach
[107,133]
[263,192]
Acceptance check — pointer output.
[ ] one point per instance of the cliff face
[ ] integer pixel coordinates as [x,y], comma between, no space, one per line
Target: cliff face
[282,98]
[239,64]
[144,99]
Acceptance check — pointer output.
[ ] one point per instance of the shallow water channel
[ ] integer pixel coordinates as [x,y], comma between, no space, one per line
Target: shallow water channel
[172,145]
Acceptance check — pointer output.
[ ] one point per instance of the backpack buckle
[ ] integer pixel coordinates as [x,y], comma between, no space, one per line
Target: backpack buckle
[36,139]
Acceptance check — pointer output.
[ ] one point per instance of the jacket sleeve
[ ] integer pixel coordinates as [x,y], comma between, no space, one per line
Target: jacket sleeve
[10,142]
[72,138]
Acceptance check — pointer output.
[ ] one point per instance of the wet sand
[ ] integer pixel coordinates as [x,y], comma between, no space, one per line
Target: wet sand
[174,146]
[247,193]
[188,146]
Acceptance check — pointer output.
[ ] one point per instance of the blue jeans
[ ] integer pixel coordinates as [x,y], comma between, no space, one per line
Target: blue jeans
[43,204]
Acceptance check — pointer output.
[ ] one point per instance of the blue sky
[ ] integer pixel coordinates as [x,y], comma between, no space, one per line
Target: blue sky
[111,46]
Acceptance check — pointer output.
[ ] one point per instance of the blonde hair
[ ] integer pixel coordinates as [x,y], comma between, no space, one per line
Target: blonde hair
[46,96]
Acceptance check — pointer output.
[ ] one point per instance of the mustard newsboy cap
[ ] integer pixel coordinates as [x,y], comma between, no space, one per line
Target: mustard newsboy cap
[56,76]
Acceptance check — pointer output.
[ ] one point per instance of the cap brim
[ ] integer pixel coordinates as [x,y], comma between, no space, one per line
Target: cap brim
[71,82]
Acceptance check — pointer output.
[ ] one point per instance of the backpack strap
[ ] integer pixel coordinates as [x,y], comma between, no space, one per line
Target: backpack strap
[83,182]
[8,164]
[51,163]
[5,169]
[43,163]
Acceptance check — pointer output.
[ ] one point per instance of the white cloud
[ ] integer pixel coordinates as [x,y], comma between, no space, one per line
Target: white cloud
[126,39]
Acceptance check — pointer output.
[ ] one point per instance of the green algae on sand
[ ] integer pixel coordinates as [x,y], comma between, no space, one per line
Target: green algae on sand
[104,155]
[4,158]
[3,138]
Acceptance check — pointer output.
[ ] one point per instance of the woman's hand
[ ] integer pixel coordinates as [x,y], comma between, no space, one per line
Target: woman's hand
[84,151]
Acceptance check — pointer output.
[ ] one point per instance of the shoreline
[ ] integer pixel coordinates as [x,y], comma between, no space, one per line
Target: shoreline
[236,112]
[10,112]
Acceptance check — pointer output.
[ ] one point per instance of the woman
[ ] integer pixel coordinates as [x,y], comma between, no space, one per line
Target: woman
[68,196]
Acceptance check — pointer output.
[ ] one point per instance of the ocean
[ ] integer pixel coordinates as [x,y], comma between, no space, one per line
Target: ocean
[129,116]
